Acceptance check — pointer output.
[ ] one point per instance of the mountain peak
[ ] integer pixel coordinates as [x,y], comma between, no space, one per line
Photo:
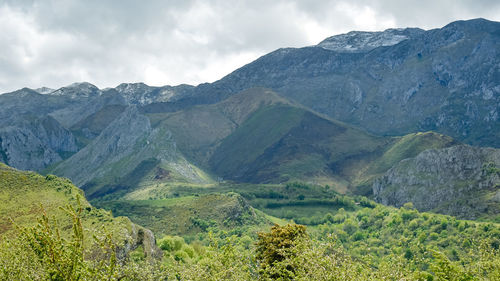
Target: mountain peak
[131,87]
[363,41]
[44,90]
[78,89]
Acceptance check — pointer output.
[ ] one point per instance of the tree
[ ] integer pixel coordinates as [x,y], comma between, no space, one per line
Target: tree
[276,249]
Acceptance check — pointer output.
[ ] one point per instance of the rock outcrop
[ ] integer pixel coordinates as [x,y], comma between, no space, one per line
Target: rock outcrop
[463,181]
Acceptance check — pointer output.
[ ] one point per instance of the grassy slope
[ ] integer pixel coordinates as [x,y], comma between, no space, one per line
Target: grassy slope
[200,129]
[177,210]
[24,194]
[188,215]
[283,143]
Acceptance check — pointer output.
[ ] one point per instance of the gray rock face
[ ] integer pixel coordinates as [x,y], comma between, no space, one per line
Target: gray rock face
[35,145]
[142,94]
[459,180]
[362,41]
[23,150]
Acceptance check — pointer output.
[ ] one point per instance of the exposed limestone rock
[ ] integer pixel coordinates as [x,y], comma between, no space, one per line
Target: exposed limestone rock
[461,180]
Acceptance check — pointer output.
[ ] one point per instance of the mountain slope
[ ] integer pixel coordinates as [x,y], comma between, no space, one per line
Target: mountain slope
[125,152]
[200,129]
[258,136]
[462,181]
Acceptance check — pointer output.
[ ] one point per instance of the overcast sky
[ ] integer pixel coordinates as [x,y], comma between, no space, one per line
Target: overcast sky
[170,42]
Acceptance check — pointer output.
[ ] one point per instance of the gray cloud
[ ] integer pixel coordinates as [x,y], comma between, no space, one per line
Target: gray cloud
[54,43]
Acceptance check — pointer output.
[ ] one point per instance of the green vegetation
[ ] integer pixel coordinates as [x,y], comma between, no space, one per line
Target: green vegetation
[222,235]
[189,215]
[278,246]
[284,253]
[26,195]
[365,230]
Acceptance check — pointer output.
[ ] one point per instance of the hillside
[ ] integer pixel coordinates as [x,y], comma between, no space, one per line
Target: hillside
[462,181]
[124,153]
[24,194]
[191,214]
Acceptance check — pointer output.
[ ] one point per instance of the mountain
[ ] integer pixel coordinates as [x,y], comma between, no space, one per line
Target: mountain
[35,128]
[462,181]
[254,136]
[340,113]
[24,194]
[397,82]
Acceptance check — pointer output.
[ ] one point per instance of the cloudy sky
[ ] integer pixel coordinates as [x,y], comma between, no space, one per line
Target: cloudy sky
[168,42]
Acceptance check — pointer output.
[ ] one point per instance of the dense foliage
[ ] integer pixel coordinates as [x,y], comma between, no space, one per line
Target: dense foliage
[285,253]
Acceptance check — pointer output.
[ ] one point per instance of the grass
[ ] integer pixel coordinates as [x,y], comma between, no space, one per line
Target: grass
[183,209]
[263,129]
[189,215]
[24,195]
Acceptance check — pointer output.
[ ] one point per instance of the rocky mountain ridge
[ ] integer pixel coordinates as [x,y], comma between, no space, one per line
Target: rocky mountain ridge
[363,41]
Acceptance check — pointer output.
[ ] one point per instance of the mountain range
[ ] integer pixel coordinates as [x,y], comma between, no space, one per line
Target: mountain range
[357,112]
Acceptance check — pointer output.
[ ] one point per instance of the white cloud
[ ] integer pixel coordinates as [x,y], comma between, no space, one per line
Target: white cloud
[54,43]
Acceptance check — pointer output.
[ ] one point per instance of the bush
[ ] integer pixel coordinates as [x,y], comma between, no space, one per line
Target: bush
[189,250]
[181,256]
[171,243]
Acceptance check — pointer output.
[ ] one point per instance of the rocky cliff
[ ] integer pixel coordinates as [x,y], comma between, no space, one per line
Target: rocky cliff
[463,181]
[35,144]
